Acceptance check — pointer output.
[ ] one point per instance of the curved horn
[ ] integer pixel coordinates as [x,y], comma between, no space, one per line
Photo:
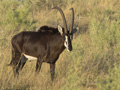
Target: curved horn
[63,17]
[72,23]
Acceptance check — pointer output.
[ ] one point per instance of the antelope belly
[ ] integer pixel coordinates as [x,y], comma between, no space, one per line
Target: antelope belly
[30,57]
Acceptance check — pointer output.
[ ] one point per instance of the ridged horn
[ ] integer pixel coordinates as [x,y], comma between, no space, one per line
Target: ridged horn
[63,17]
[72,21]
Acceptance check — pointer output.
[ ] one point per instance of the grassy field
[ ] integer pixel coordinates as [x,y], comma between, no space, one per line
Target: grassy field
[94,63]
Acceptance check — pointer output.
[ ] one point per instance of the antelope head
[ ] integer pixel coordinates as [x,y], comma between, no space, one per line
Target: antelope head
[66,33]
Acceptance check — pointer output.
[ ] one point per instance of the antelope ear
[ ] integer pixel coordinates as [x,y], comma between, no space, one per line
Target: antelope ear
[60,29]
[75,30]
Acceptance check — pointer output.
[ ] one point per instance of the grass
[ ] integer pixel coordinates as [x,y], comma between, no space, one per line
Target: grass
[94,63]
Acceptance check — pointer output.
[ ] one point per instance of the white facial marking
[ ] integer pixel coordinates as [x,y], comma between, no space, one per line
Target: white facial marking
[65,42]
[30,57]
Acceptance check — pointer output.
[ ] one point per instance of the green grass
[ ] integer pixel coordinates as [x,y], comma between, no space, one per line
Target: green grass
[111,81]
[94,63]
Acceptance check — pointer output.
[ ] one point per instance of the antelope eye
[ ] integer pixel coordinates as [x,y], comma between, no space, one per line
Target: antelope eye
[66,43]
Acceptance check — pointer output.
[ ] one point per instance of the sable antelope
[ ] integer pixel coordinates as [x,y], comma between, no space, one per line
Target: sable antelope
[45,45]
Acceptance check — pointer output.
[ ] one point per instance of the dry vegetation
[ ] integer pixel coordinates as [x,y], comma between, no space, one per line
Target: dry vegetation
[94,64]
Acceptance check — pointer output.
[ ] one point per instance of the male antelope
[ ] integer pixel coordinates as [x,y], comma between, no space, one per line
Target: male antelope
[45,45]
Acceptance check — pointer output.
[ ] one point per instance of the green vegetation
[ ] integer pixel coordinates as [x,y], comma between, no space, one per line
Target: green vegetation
[94,63]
